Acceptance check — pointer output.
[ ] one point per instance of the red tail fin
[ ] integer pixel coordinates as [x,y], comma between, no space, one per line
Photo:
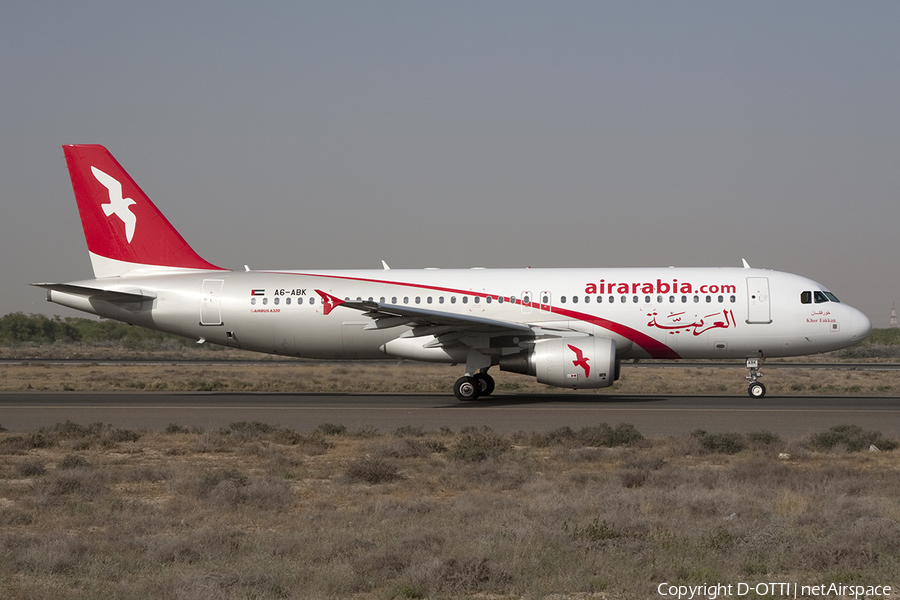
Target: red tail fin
[126,234]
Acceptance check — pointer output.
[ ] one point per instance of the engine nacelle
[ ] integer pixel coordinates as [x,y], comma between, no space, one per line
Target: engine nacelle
[574,362]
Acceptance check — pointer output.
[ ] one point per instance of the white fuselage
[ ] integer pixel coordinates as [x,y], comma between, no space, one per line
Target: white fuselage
[649,312]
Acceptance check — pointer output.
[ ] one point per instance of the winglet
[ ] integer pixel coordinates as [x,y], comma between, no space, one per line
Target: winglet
[331,302]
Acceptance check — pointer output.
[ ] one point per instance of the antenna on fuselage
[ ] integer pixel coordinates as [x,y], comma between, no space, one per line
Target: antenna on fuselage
[746,264]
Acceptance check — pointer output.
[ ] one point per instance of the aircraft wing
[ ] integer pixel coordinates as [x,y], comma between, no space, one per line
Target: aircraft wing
[99,294]
[447,327]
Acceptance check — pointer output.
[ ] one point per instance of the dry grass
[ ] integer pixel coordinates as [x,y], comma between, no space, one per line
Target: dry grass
[258,511]
[251,371]
[410,377]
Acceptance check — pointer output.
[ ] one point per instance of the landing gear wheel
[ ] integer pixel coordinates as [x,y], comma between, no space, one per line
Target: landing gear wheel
[756,390]
[466,388]
[485,384]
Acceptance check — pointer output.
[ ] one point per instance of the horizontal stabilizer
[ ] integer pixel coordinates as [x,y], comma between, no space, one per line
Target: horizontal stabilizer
[99,294]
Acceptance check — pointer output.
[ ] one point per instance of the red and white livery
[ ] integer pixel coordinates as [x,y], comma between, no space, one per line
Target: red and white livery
[567,327]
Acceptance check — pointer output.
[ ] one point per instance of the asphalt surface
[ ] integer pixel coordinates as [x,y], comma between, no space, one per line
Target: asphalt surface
[652,415]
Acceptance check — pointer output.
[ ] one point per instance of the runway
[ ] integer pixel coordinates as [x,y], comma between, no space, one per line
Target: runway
[793,416]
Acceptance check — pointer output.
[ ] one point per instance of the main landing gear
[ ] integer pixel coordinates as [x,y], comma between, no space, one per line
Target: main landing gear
[756,389]
[471,387]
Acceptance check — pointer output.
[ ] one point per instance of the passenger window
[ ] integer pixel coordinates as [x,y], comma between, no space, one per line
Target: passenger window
[405,299]
[574,299]
[252,300]
[265,301]
[452,299]
[312,300]
[465,299]
[488,299]
[299,301]
[477,299]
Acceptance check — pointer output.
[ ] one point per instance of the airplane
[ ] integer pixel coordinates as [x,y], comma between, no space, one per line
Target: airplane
[569,327]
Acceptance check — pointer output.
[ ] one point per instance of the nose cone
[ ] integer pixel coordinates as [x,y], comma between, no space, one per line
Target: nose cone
[860,326]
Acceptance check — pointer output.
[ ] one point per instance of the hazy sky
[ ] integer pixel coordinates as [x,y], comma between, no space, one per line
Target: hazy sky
[501,134]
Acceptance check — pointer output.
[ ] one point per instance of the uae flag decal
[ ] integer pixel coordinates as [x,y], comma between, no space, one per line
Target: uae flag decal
[257,292]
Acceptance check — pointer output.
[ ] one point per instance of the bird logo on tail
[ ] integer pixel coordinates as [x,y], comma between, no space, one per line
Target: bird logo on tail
[117,205]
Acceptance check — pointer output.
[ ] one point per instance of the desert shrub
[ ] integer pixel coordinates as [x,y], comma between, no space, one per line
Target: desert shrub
[372,470]
[476,445]
[623,434]
[85,436]
[560,436]
[852,437]
[30,468]
[173,428]
[20,444]
[402,448]
[331,429]
[73,461]
[202,487]
[253,427]
[84,483]
[720,443]
[763,438]
[598,530]
[410,430]
[453,577]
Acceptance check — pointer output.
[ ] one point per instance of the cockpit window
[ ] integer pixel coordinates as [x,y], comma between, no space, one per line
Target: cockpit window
[818,297]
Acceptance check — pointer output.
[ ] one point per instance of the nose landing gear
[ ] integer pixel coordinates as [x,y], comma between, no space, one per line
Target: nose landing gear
[756,389]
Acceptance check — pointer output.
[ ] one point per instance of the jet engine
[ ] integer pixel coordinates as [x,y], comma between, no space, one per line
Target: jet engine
[573,362]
